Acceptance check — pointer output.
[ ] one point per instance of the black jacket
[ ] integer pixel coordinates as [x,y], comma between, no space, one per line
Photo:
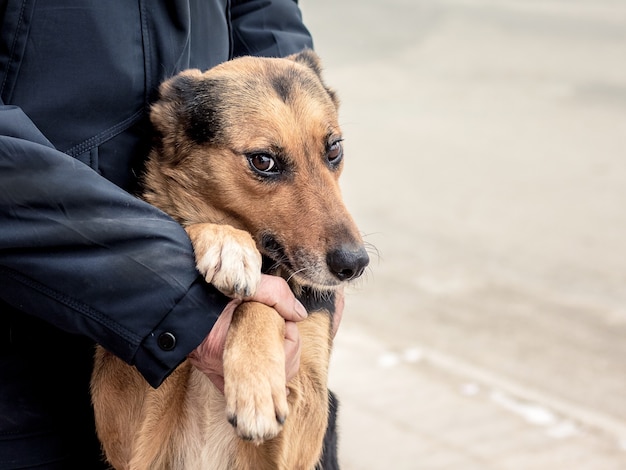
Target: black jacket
[81,258]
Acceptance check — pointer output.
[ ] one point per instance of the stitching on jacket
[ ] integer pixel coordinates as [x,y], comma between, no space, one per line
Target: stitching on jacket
[13,47]
[147,51]
[105,135]
[73,304]
[229,22]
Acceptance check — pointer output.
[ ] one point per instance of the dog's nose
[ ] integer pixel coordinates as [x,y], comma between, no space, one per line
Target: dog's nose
[347,262]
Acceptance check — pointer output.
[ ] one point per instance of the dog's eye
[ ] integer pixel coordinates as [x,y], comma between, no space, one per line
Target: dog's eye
[335,153]
[263,163]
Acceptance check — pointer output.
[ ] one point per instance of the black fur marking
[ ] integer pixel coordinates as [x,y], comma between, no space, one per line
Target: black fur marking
[202,111]
[202,123]
[330,459]
[315,301]
[282,86]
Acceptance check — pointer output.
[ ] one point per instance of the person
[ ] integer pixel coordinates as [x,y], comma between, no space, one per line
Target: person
[82,259]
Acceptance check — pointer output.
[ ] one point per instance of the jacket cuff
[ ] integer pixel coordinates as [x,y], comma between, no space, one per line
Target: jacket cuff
[180,332]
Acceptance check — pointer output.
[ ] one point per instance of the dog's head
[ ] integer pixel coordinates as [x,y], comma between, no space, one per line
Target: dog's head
[255,143]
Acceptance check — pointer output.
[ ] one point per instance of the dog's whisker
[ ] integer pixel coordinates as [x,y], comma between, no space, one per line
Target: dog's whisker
[372,250]
[370,247]
[296,272]
[280,262]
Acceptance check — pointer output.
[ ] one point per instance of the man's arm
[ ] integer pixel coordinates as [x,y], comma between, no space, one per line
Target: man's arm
[82,254]
[268,28]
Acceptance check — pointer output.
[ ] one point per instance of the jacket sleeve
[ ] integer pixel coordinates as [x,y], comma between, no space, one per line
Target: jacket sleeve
[82,254]
[268,28]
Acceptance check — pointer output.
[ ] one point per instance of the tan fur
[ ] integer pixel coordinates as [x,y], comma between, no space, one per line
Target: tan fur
[202,177]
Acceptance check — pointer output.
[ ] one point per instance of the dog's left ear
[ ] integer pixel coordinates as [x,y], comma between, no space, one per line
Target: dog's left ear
[186,113]
[311,60]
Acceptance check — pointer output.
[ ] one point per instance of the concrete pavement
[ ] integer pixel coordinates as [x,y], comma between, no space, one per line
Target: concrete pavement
[418,409]
[485,147]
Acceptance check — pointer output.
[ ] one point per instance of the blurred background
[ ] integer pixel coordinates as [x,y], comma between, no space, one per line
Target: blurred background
[486,162]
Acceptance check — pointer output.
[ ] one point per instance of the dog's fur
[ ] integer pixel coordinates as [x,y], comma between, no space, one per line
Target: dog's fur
[218,135]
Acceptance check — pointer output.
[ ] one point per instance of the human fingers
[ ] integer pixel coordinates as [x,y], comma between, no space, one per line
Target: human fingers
[274,292]
[340,302]
[208,356]
[292,350]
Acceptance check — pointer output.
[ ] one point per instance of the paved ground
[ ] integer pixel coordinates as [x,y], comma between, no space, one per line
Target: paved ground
[486,144]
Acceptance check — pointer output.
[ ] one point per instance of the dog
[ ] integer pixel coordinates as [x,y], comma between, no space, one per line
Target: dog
[247,158]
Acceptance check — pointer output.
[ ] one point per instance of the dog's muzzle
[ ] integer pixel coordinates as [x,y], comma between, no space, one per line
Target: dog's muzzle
[345,262]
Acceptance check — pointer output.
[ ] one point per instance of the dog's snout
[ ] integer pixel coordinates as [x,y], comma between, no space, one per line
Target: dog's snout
[347,262]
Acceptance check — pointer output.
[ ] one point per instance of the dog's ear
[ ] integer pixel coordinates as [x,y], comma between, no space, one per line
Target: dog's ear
[167,112]
[185,113]
[311,60]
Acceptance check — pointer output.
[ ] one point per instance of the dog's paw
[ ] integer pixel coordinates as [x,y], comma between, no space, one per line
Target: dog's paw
[254,373]
[227,258]
[256,405]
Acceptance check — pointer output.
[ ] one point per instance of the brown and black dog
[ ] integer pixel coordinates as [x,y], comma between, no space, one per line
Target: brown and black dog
[247,160]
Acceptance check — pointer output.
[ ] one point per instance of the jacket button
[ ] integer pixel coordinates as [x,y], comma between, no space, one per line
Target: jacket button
[166,341]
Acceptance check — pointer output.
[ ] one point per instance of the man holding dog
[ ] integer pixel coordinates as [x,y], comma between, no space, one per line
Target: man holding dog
[81,259]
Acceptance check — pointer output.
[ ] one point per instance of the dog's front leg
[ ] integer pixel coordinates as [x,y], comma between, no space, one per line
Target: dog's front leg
[254,355]
[254,372]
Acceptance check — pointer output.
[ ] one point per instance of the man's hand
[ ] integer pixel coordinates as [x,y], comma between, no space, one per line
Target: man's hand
[340,303]
[272,291]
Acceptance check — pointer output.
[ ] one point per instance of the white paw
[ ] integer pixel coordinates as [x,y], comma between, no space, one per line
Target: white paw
[227,258]
[234,269]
